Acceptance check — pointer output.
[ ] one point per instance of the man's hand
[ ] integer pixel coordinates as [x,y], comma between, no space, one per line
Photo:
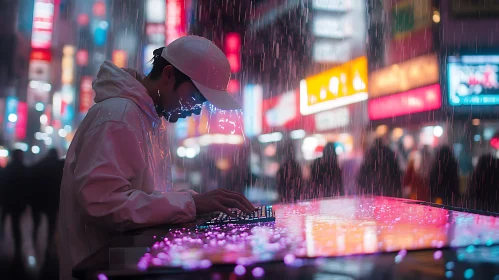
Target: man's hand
[221,200]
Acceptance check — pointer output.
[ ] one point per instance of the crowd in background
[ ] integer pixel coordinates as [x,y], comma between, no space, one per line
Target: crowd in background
[35,188]
[431,176]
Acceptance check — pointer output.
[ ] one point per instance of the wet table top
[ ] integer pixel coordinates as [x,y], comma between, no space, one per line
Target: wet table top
[355,238]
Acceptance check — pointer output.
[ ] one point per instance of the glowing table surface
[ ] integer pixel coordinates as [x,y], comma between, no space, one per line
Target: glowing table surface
[348,235]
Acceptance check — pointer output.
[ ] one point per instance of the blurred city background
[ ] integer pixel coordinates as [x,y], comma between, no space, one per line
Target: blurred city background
[405,92]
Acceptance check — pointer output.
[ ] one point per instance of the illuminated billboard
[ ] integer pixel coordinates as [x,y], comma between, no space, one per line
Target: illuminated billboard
[339,29]
[339,86]
[473,80]
[411,74]
[43,24]
[411,28]
[252,110]
[86,94]
[409,102]
[175,20]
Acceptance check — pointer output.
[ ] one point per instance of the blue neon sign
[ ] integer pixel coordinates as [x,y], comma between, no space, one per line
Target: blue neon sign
[473,80]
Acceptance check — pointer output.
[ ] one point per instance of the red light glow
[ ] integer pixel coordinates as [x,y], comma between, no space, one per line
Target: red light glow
[22,120]
[120,58]
[233,86]
[43,24]
[233,51]
[83,19]
[234,62]
[232,43]
[494,142]
[175,20]
[99,9]
[82,57]
[413,101]
[41,55]
[86,94]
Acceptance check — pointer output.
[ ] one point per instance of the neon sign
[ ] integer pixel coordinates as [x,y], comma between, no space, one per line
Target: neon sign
[342,85]
[86,94]
[232,50]
[43,24]
[473,80]
[22,120]
[120,58]
[414,73]
[175,20]
[252,110]
[413,101]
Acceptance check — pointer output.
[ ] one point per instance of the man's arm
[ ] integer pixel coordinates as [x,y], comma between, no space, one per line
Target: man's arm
[111,157]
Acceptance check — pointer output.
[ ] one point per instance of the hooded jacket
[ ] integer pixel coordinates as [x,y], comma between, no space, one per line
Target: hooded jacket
[117,173]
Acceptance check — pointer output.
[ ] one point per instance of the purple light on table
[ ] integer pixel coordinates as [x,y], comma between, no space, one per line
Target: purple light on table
[437,255]
[289,259]
[258,272]
[102,277]
[239,270]
[303,231]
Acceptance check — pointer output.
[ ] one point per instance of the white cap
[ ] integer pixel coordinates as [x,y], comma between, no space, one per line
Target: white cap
[206,65]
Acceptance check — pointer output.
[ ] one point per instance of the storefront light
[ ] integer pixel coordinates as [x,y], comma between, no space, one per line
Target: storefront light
[438,131]
[436,16]
[190,153]
[397,133]
[181,151]
[271,137]
[310,144]
[4,153]
[49,130]
[476,121]
[35,150]
[39,107]
[67,128]
[21,146]
[12,118]
[38,136]
[62,133]
[297,134]
[43,119]
[48,141]
[381,130]
[477,138]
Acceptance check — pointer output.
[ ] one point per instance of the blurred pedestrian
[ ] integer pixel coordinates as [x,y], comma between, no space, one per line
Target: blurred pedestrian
[418,173]
[483,189]
[44,185]
[289,175]
[380,174]
[14,198]
[327,177]
[444,177]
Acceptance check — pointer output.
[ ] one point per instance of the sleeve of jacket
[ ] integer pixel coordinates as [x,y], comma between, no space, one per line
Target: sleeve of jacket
[109,159]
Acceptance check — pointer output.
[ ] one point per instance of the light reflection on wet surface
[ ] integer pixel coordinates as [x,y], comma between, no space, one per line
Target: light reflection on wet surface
[338,227]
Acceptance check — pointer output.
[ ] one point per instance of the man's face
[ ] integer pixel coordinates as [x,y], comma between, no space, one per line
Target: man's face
[181,101]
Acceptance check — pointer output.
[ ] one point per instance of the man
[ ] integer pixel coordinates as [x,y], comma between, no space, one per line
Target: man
[117,173]
[13,194]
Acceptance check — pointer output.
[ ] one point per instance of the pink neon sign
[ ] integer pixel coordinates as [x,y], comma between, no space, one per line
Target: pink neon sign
[175,20]
[43,20]
[412,101]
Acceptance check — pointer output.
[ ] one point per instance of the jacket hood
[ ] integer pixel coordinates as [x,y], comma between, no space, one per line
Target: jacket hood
[115,82]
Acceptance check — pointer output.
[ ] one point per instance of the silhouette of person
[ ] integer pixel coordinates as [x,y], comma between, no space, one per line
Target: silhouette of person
[483,189]
[14,194]
[380,174]
[444,177]
[289,175]
[45,180]
[327,177]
